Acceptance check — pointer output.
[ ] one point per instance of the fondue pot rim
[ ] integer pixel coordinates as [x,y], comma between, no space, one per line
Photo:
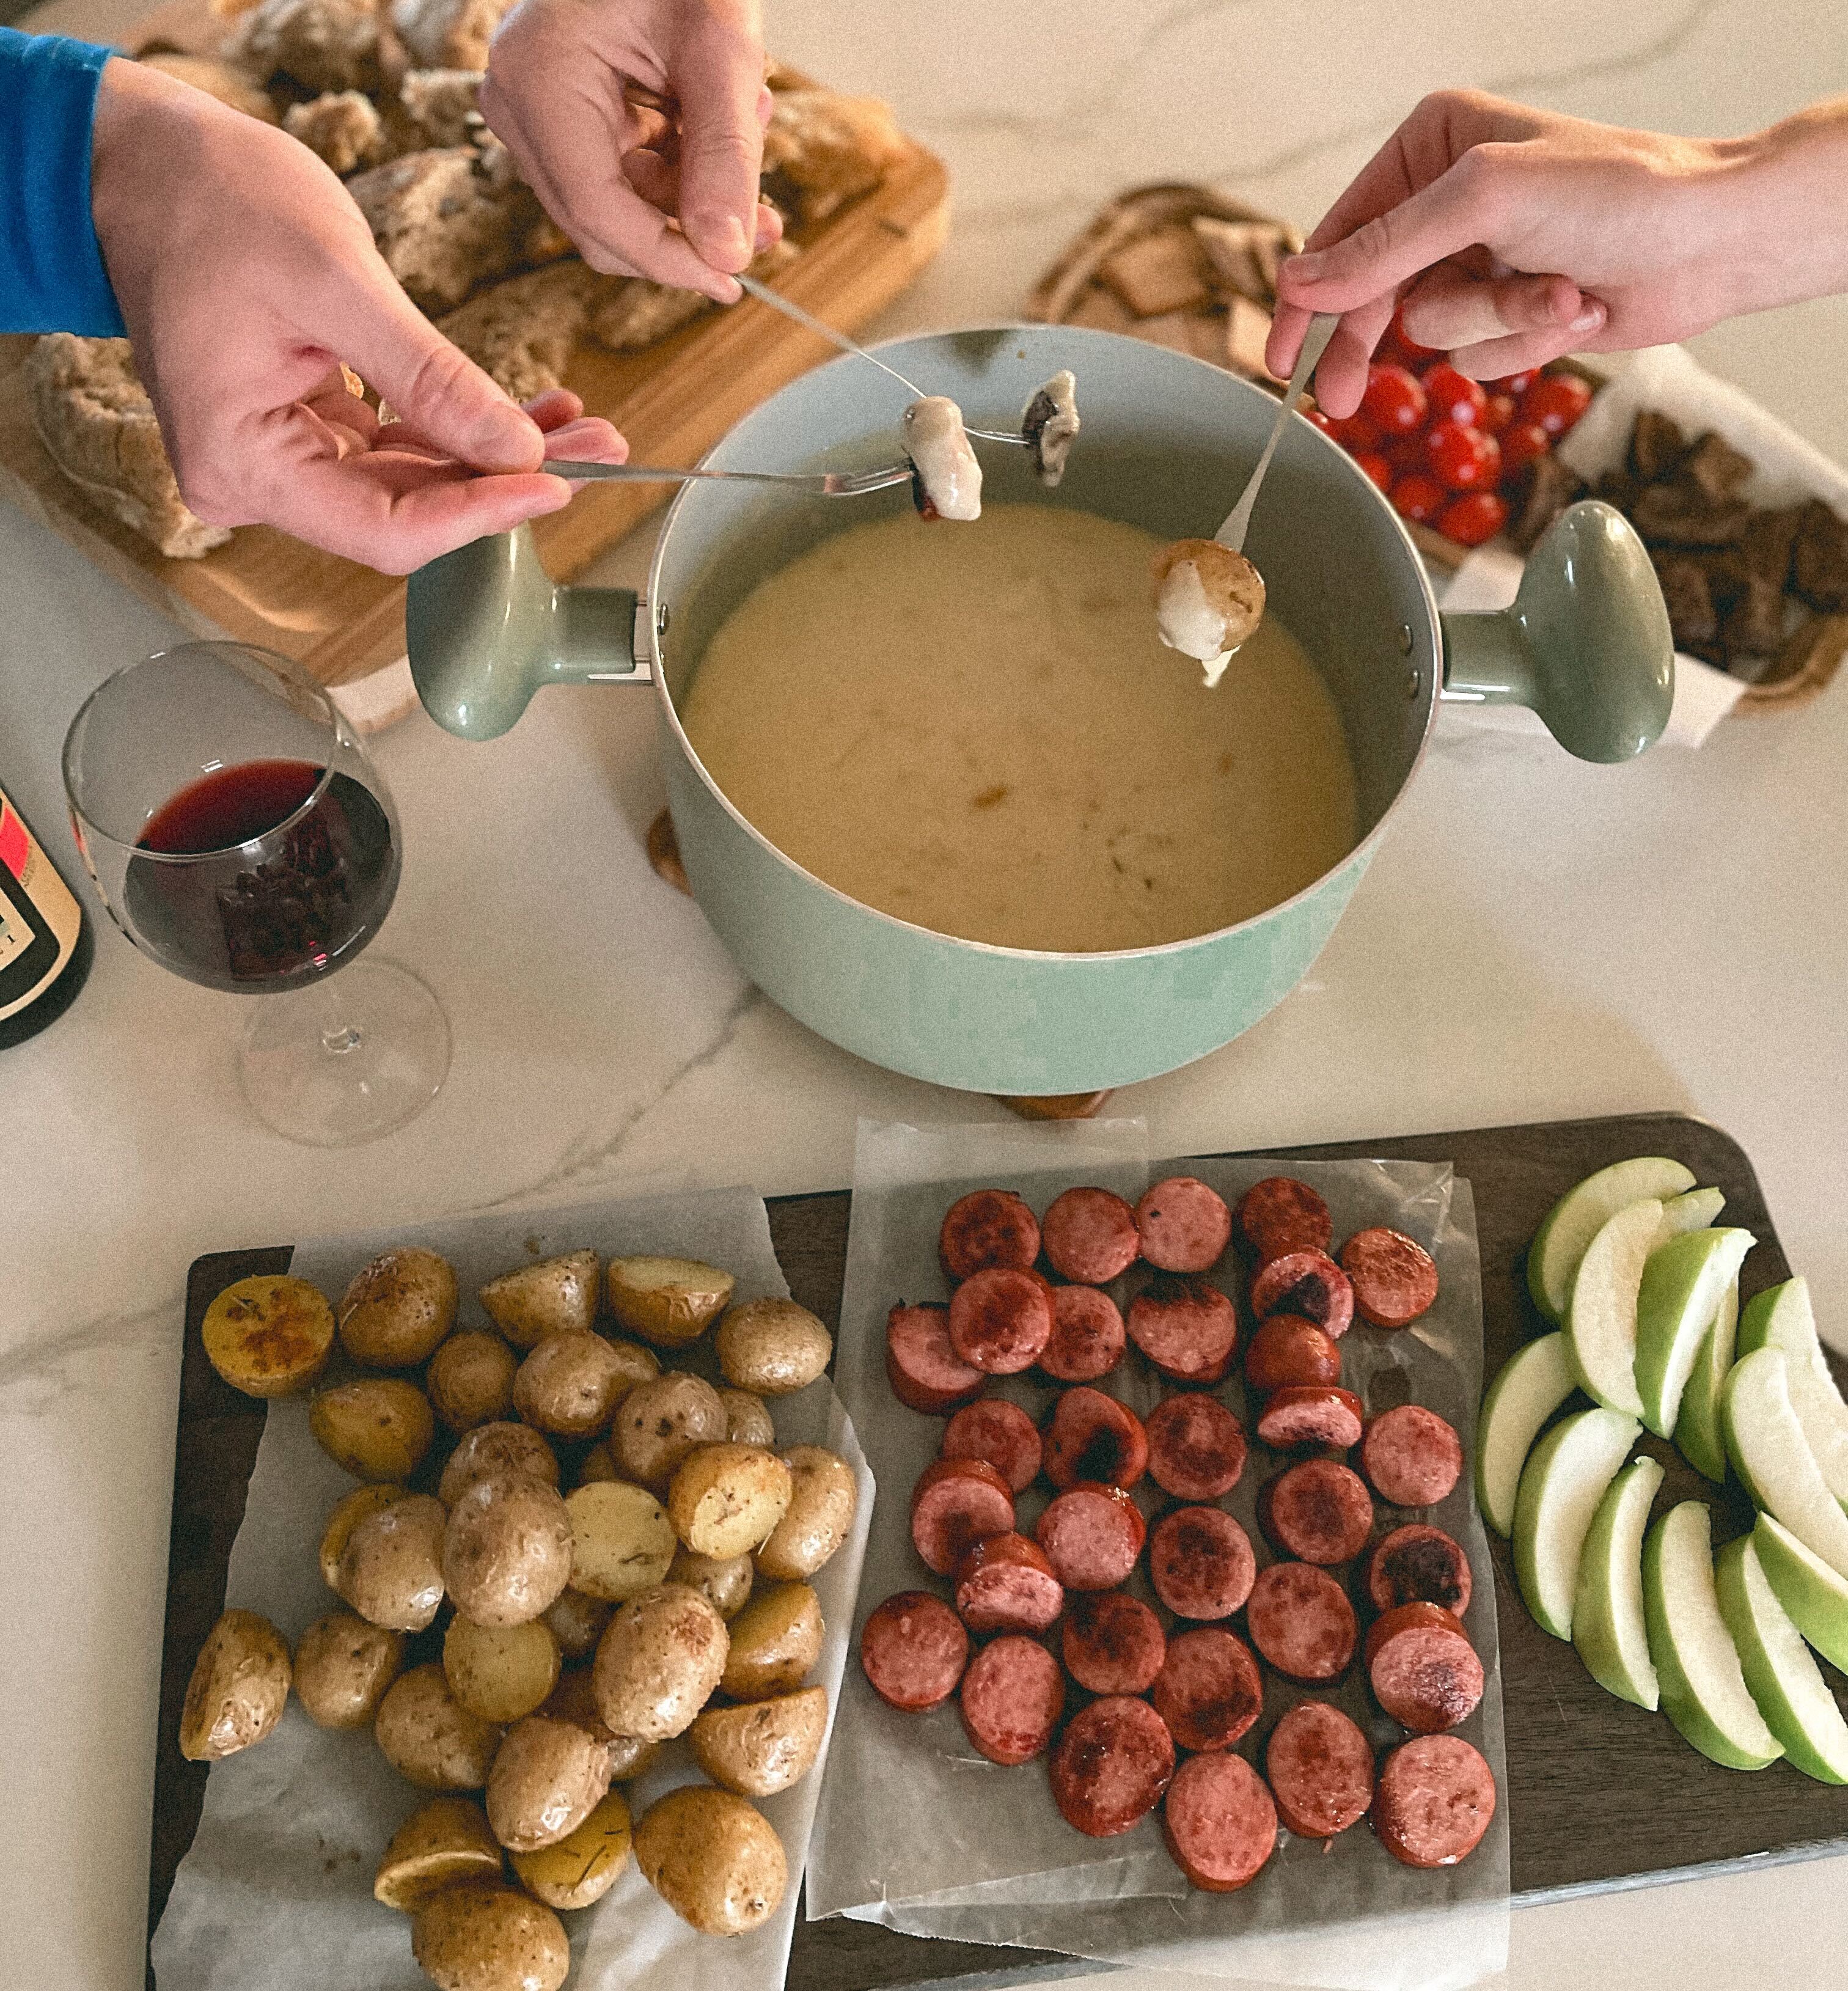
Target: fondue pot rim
[688,494]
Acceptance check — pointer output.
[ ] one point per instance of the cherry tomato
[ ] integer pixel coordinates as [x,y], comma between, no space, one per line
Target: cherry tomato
[1354,431]
[1418,498]
[1556,401]
[1398,350]
[1454,396]
[1498,413]
[1463,459]
[1318,419]
[1521,443]
[1376,466]
[1393,400]
[1469,521]
[1516,384]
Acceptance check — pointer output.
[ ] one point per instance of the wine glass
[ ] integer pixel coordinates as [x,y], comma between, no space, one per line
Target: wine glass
[236,830]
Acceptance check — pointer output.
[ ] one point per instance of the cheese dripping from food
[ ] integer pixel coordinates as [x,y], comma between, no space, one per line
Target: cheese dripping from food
[1208,599]
[1049,422]
[946,478]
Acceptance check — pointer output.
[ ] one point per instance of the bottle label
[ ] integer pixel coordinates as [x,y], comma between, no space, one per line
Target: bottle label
[38,891]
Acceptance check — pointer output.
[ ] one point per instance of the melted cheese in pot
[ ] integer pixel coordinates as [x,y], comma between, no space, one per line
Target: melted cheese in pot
[980,732]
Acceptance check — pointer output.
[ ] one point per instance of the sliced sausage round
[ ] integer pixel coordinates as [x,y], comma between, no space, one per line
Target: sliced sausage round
[1288,1352]
[913,1648]
[1208,1691]
[1280,1215]
[1185,1226]
[1112,1765]
[925,1372]
[1219,1823]
[1092,1536]
[1393,1279]
[1422,1668]
[1184,1325]
[1000,1432]
[1012,1696]
[1091,1236]
[1088,1338]
[1434,1801]
[1300,1619]
[1297,1418]
[1309,1283]
[1091,1436]
[1113,1643]
[1004,1584]
[1200,1562]
[1197,1447]
[1320,1771]
[1411,1455]
[1417,1564]
[1319,1511]
[956,1503]
[1000,1319]
[987,1227]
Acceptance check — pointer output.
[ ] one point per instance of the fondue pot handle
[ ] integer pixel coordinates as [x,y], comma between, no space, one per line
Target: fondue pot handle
[1586,643]
[485,627]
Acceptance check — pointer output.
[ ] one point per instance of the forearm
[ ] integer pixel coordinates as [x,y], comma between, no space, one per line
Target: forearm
[1790,197]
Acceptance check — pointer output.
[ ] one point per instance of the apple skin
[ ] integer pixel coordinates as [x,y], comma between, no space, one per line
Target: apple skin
[1614,1542]
[1814,1595]
[1682,1283]
[1809,1508]
[1735,1568]
[1582,1212]
[1698,1435]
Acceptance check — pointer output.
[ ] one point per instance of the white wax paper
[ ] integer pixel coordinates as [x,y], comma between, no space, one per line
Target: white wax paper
[276,1891]
[918,1832]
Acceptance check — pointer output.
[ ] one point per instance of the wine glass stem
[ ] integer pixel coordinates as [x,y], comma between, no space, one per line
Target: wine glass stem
[338,1037]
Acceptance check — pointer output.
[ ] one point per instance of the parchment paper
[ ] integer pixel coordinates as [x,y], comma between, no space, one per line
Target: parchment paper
[920,1833]
[276,1892]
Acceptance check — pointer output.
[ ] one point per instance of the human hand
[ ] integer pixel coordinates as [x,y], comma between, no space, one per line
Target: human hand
[640,192]
[245,276]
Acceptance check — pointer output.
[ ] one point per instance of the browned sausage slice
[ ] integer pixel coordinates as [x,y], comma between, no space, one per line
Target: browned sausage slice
[1417,1564]
[1112,1766]
[1113,1643]
[1000,1319]
[1185,1226]
[1092,1536]
[1394,1281]
[1012,1696]
[1000,1432]
[1184,1325]
[1309,1284]
[1281,1215]
[1296,1418]
[1219,1823]
[1422,1668]
[925,1372]
[913,1648]
[1411,1455]
[1320,1511]
[988,1227]
[1201,1563]
[956,1503]
[1004,1584]
[1091,1436]
[1196,1447]
[1208,1691]
[1300,1619]
[1090,1236]
[1435,1798]
[1087,1337]
[1320,1771]
[1288,1351]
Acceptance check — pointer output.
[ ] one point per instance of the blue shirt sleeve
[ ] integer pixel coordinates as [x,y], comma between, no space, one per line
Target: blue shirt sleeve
[52,278]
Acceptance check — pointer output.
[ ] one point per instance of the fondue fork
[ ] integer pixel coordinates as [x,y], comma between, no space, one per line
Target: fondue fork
[1315,343]
[823,483]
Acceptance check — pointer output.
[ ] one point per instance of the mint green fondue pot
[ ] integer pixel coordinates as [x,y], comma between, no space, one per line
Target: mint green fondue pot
[1166,444]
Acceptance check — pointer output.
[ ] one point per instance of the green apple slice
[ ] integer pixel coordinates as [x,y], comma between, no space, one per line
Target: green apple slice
[1697,1432]
[1568,1227]
[1534,1381]
[1782,1678]
[1692,1211]
[1783,1317]
[1767,1446]
[1815,1596]
[1561,1485]
[1682,1283]
[1703,1690]
[1600,1316]
[1607,1624]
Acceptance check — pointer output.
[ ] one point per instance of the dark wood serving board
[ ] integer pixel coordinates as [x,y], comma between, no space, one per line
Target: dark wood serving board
[1601,1795]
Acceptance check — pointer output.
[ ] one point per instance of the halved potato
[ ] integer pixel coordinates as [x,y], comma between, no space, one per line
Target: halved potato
[239,1688]
[597,1465]
[668,1301]
[349,1512]
[470,1378]
[577,1621]
[444,1843]
[775,1639]
[557,1296]
[660,1422]
[571,1385]
[492,1451]
[490,1939]
[725,1498]
[747,1418]
[621,1539]
[582,1867]
[773,1346]
[763,1746]
[429,1737]
[823,1498]
[378,1428]
[548,1777]
[713,1858]
[268,1335]
[391,1570]
[398,1308]
[500,1671]
[724,1582]
[343,1667]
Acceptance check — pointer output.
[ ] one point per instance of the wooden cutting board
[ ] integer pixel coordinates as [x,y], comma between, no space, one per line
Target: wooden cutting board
[343,621]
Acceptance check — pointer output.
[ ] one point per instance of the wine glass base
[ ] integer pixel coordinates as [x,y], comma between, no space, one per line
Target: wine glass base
[346,1060]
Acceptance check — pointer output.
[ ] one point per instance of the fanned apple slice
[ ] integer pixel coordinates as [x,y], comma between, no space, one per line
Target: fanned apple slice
[1815,1596]
[1694,1209]
[1682,1283]
[1569,1227]
[1533,1382]
[1697,1432]
[1782,1317]
[1561,1485]
[1784,1680]
[1600,1317]
[1608,1626]
[1766,1444]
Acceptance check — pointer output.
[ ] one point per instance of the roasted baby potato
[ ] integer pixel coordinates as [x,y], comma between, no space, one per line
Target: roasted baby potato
[747,1418]
[577,1621]
[775,1639]
[500,1671]
[557,1296]
[239,1688]
[597,1465]
[547,1778]
[772,1346]
[658,1662]
[391,1570]
[713,1858]
[621,1539]
[507,1550]
[574,1699]
[660,1422]
[582,1867]
[821,1501]
[269,1336]
[378,1428]
[348,1513]
[398,1308]
[761,1746]
[445,1843]
[668,1301]
[427,1735]
[724,1582]
[493,1451]
[571,1385]
[489,1939]
[470,1378]
[343,1667]
[724,1499]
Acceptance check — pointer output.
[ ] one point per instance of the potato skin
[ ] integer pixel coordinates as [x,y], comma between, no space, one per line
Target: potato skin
[820,1515]
[490,1939]
[597,1465]
[775,1639]
[239,1688]
[348,1512]
[428,1737]
[492,1450]
[724,1582]
[747,1418]
[658,1662]
[659,1422]
[391,1570]
[343,1667]
[470,1378]
[725,1499]
[577,1622]
[268,1335]
[398,1308]
[547,1778]
[772,1347]
[762,1746]
[507,1550]
[713,1858]
[569,1385]
[670,1301]
[442,1844]
[621,1539]
[555,1296]
[583,1866]
[378,1428]
[574,1699]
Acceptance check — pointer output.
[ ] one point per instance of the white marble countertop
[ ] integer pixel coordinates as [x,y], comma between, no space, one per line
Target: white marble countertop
[1537,939]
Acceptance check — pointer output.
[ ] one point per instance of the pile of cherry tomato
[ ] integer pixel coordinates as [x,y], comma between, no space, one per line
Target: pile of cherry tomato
[1443,447]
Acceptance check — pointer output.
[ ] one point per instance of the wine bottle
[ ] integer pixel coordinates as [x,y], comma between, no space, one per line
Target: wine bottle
[45,938]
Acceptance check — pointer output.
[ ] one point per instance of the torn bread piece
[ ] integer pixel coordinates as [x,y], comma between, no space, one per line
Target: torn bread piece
[322,45]
[340,127]
[442,105]
[521,332]
[450,218]
[447,34]
[1050,424]
[822,150]
[230,82]
[946,478]
[632,313]
[1208,599]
